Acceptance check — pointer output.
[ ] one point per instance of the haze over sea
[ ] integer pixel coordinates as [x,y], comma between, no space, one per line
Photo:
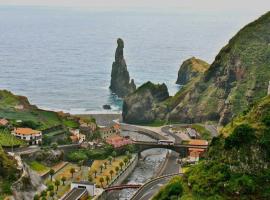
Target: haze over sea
[61,58]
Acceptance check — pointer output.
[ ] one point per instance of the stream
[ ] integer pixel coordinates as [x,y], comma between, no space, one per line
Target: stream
[145,169]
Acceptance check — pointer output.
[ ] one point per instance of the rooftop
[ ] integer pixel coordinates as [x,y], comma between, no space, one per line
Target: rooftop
[198,142]
[26,131]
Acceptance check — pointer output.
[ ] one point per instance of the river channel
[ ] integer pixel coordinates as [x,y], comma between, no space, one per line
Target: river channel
[146,168]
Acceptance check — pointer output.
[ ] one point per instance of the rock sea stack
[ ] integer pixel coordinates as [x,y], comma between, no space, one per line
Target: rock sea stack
[121,84]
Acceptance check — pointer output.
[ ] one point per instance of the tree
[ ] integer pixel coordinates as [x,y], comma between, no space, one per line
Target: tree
[57,183]
[36,197]
[116,169]
[121,165]
[90,178]
[95,172]
[110,160]
[72,171]
[107,179]
[125,160]
[129,156]
[63,179]
[101,180]
[52,194]
[51,172]
[50,187]
[127,153]
[101,168]
[81,164]
[105,164]
[114,154]
[43,198]
[44,193]
[111,173]
[242,135]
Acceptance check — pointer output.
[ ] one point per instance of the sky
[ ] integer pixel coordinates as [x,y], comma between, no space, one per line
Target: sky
[204,5]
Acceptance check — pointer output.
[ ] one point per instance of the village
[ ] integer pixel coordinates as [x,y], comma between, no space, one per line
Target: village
[101,157]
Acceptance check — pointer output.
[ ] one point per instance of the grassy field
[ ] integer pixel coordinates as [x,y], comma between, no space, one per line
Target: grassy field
[7,140]
[38,167]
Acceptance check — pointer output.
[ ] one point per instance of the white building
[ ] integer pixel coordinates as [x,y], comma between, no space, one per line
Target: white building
[29,135]
[90,187]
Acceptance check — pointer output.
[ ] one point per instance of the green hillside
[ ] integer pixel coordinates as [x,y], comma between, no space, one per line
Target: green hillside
[237,164]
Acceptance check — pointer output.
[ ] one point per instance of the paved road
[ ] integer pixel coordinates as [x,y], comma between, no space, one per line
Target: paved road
[212,129]
[166,129]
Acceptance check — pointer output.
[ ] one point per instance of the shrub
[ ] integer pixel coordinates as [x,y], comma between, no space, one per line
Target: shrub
[242,135]
[173,190]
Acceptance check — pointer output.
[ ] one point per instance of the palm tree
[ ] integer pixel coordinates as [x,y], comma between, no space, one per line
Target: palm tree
[51,172]
[111,173]
[63,179]
[116,169]
[126,160]
[95,172]
[114,154]
[107,179]
[129,156]
[72,171]
[52,194]
[90,178]
[105,164]
[57,183]
[121,165]
[101,180]
[81,164]
[101,168]
[110,160]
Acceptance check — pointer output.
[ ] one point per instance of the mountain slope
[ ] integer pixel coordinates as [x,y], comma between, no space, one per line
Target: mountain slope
[237,78]
[237,164]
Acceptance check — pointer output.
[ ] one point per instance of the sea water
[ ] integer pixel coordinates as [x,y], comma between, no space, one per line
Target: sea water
[61,58]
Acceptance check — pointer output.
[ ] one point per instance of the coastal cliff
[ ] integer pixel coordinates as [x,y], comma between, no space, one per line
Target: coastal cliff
[121,84]
[191,68]
[237,78]
[136,106]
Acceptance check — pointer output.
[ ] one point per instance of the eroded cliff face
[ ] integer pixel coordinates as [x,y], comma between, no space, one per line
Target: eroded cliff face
[142,106]
[189,69]
[237,78]
[121,84]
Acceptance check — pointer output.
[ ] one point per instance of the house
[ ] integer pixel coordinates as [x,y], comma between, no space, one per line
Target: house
[29,135]
[109,131]
[80,191]
[76,136]
[3,122]
[87,127]
[118,141]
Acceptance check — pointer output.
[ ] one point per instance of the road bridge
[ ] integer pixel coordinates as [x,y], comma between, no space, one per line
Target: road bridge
[182,149]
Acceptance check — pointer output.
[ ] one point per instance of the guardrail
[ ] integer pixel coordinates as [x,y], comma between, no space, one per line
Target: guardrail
[151,181]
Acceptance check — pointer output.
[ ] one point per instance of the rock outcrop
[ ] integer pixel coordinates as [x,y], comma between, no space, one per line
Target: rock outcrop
[191,68]
[237,78]
[139,107]
[121,84]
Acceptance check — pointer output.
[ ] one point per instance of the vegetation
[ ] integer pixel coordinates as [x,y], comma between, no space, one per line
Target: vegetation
[38,167]
[237,162]
[205,134]
[173,190]
[8,140]
[99,154]
[8,173]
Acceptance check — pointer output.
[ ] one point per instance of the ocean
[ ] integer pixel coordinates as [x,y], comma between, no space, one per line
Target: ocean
[61,58]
